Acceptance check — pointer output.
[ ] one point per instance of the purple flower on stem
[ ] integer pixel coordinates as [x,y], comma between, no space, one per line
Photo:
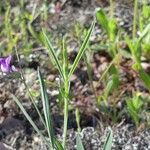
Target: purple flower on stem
[5,64]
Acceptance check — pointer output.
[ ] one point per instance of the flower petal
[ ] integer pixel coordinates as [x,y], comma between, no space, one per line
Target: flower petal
[8,59]
[1,59]
[5,68]
[13,68]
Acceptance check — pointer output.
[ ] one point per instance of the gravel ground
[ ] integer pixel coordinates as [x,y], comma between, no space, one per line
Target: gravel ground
[15,131]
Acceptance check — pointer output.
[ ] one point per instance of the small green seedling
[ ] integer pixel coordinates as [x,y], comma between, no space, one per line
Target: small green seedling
[134,107]
[111,28]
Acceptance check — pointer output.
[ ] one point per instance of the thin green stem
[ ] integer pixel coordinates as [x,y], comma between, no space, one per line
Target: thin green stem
[45,10]
[77,113]
[66,100]
[33,102]
[65,121]
[22,3]
[135,18]
[111,8]
[105,72]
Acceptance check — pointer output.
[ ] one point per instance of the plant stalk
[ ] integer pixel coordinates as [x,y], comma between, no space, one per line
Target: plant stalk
[66,100]
[111,8]
[77,113]
[135,18]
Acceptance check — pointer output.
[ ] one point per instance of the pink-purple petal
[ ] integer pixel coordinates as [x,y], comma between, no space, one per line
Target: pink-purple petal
[5,65]
[8,59]
[5,68]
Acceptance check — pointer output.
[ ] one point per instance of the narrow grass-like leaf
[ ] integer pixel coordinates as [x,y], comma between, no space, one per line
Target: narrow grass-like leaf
[134,106]
[28,117]
[47,43]
[135,48]
[112,85]
[108,142]
[46,108]
[145,77]
[33,33]
[82,50]
[144,33]
[65,58]
[58,145]
[112,29]
[102,19]
[79,142]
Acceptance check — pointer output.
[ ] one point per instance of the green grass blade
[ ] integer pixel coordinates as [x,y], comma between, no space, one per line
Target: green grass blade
[28,117]
[145,78]
[144,33]
[65,58]
[34,104]
[46,108]
[79,142]
[108,142]
[103,20]
[48,44]
[58,145]
[82,50]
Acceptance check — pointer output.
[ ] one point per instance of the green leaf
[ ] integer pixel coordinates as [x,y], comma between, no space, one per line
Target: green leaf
[102,19]
[134,107]
[113,82]
[33,33]
[132,111]
[82,50]
[112,29]
[46,109]
[113,70]
[79,142]
[65,58]
[145,78]
[146,11]
[109,140]
[58,145]
[52,53]
[145,32]
[135,48]
[137,102]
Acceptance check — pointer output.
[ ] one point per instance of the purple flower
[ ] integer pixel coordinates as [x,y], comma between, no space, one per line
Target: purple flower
[5,64]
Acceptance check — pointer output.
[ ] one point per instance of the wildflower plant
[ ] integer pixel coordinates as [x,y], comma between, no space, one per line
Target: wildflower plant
[135,46]
[134,107]
[111,28]
[65,75]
